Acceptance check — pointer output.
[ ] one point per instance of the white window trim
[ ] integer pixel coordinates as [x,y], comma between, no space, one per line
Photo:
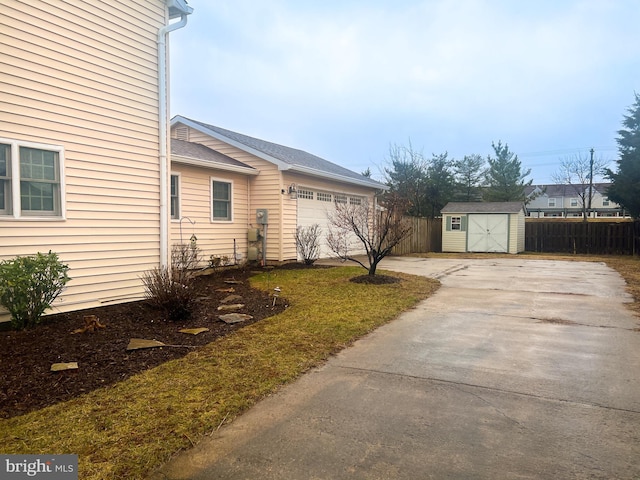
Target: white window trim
[221,180]
[15,181]
[179,216]
[571,202]
[552,202]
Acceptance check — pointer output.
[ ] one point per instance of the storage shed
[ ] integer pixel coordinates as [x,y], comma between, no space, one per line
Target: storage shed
[483,227]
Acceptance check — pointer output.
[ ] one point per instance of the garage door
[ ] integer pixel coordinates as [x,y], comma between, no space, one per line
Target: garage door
[314,207]
[488,233]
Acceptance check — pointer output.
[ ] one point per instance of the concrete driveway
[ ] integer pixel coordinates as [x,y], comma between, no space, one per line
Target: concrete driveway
[515,369]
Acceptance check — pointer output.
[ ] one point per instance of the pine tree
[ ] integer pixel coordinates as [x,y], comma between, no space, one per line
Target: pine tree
[505,179]
[625,186]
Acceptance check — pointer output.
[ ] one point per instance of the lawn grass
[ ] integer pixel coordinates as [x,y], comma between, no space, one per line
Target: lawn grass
[131,428]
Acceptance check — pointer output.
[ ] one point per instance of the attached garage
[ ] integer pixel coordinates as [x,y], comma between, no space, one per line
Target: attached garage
[483,227]
[315,207]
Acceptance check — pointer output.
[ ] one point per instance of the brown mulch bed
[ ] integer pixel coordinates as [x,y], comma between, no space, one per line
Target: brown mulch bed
[26,356]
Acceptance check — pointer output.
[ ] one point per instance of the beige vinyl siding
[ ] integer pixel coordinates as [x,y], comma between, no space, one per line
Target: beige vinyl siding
[265,190]
[214,237]
[83,76]
[453,240]
[516,232]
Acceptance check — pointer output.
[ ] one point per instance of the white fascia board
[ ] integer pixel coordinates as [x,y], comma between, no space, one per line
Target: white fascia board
[196,162]
[257,153]
[336,177]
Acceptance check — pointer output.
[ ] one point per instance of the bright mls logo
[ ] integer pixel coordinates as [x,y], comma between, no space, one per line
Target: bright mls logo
[50,467]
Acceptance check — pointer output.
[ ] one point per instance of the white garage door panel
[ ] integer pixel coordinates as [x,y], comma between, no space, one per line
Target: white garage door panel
[312,211]
[488,233]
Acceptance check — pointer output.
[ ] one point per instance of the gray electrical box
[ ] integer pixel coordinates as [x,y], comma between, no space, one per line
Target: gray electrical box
[262,216]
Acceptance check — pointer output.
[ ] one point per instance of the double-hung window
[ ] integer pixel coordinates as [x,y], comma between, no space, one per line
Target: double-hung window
[221,200]
[5,179]
[175,197]
[30,180]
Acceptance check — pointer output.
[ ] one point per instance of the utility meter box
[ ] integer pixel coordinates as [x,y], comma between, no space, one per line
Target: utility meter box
[262,216]
[252,234]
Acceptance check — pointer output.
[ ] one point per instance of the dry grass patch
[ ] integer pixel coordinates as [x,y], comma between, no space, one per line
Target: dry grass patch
[131,428]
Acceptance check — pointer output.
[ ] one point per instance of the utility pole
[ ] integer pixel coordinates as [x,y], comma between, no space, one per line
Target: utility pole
[590,180]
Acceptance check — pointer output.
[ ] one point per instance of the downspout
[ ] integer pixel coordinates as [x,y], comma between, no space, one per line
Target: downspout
[163,135]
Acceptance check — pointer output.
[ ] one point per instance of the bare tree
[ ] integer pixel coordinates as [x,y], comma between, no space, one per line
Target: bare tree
[577,172]
[353,226]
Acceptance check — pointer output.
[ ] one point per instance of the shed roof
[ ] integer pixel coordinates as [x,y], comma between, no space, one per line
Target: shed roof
[286,158]
[482,207]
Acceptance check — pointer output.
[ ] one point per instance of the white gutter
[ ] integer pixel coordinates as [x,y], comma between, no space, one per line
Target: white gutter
[163,99]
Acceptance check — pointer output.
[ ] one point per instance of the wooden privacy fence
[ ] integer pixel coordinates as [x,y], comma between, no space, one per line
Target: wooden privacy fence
[622,238]
[425,236]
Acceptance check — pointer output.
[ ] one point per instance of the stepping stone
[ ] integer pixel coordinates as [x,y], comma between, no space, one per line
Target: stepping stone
[231,298]
[233,282]
[234,317]
[194,331]
[226,290]
[59,367]
[233,306]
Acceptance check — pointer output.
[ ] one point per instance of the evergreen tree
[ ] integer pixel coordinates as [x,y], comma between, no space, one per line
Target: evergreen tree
[440,184]
[469,173]
[504,179]
[625,186]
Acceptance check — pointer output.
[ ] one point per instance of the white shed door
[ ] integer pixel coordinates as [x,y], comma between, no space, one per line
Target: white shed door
[488,233]
[314,207]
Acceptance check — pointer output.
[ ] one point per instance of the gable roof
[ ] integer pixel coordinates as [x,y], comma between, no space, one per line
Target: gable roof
[564,190]
[482,207]
[285,158]
[199,155]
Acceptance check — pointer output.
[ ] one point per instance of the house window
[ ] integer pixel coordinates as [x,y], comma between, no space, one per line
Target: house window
[30,180]
[355,201]
[308,194]
[552,202]
[221,203]
[340,198]
[456,223]
[323,197]
[5,180]
[573,202]
[605,201]
[175,197]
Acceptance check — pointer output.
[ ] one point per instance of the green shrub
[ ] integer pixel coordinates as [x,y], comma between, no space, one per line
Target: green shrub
[29,285]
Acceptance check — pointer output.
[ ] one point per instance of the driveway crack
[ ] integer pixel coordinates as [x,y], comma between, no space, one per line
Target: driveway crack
[492,389]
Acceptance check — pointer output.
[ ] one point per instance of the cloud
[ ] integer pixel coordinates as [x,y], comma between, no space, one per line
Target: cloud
[466,71]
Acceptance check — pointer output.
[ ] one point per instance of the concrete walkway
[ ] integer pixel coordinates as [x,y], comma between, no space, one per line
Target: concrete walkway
[514,369]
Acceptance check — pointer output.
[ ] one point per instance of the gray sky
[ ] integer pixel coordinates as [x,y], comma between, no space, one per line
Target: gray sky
[346,79]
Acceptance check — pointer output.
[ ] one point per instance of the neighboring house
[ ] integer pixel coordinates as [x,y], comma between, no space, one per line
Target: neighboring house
[222,181]
[483,227]
[84,140]
[567,201]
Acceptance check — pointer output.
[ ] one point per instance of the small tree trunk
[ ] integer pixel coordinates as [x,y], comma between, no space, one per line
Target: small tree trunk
[372,267]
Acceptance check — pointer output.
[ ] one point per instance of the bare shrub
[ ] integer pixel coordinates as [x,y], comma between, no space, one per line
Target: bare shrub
[308,243]
[172,289]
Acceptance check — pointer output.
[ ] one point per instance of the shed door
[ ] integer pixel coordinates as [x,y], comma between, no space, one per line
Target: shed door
[488,233]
